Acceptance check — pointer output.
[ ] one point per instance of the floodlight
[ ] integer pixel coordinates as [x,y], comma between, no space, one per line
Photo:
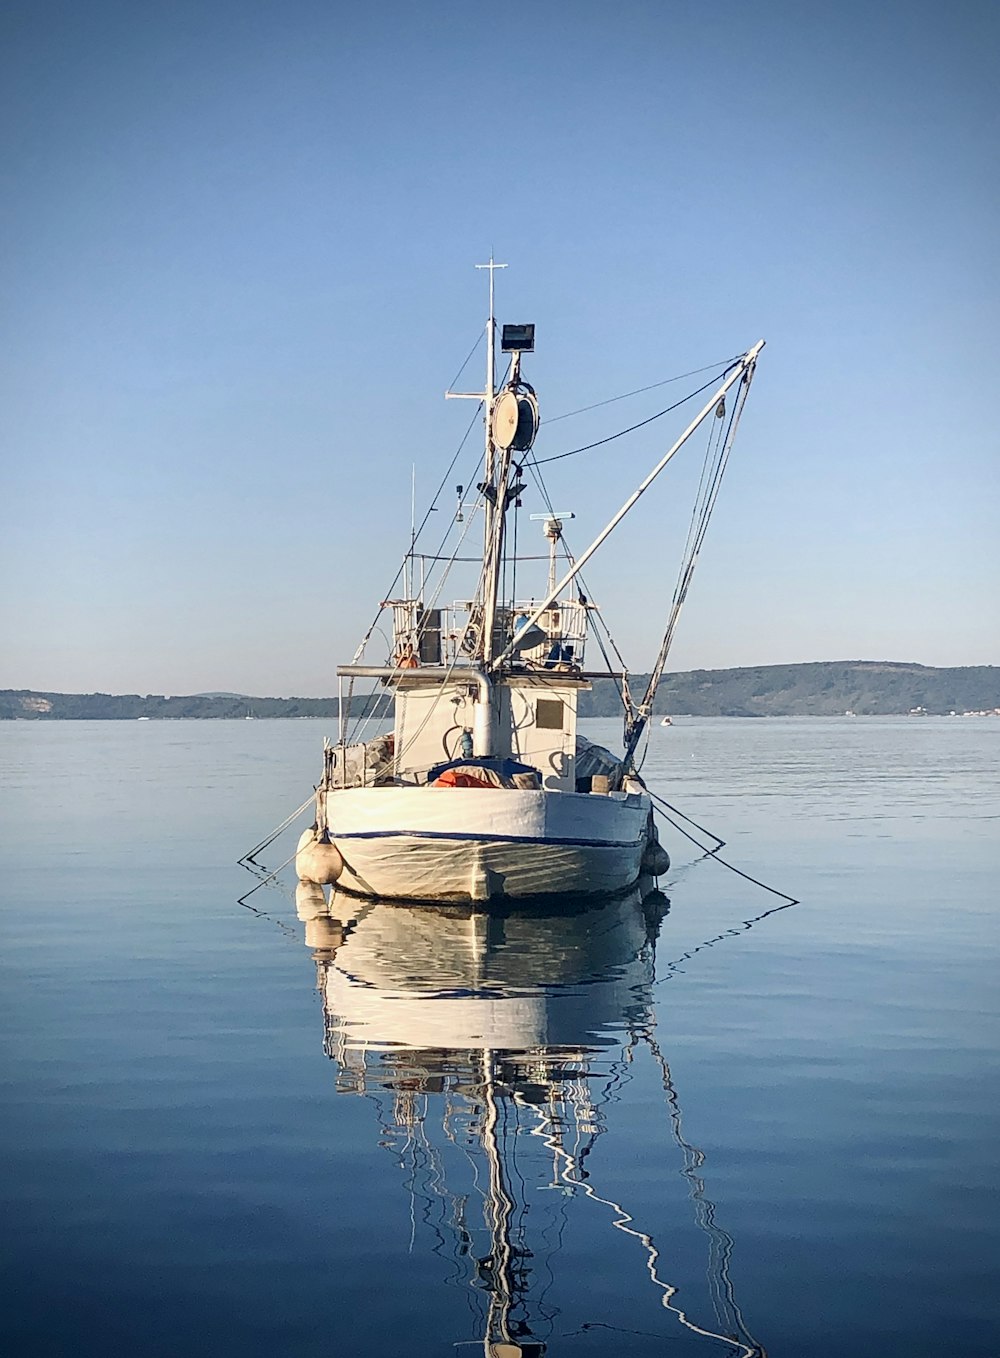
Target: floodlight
[518,339]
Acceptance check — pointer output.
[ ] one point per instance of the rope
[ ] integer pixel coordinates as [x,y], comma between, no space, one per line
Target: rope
[248,858]
[714,853]
[720,843]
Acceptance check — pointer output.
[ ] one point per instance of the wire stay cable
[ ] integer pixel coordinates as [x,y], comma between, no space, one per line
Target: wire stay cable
[586,447]
[724,364]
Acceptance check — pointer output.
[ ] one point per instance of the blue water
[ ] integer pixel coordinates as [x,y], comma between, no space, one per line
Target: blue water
[237,1133]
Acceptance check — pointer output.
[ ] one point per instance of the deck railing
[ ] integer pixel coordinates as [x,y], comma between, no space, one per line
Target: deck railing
[450,635]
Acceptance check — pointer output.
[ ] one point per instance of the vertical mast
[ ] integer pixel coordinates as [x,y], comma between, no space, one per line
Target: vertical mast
[409,564]
[492,494]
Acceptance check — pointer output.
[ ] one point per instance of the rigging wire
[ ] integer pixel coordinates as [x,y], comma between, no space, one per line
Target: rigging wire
[371,711]
[430,510]
[389,694]
[557,457]
[719,460]
[725,364]
[513,543]
[423,522]
[398,754]
[709,462]
[479,340]
[704,502]
[599,622]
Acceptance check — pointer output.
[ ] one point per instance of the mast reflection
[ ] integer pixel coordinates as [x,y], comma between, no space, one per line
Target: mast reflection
[495,1027]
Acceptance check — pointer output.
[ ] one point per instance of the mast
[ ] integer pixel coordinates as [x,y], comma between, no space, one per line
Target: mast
[552,526]
[492,487]
[493,491]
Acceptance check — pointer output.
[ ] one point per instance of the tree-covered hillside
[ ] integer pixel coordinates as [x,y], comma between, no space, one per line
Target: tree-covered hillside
[824,688]
[24,703]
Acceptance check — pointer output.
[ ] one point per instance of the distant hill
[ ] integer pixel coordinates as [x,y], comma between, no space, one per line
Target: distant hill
[26,704]
[819,689]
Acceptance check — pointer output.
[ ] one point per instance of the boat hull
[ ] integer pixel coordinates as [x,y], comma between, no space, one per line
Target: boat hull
[470,844]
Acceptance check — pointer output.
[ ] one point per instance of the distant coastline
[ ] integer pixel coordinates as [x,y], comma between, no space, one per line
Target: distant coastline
[818,689]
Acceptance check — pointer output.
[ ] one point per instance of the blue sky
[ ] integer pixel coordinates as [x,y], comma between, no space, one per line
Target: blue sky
[237,276]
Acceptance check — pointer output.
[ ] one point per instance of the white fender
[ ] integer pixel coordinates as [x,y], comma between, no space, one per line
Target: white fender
[316,862]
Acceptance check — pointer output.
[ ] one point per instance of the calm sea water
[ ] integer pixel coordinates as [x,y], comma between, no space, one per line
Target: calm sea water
[652,1128]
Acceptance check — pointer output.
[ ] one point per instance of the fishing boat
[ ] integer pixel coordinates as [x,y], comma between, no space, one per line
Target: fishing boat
[487,1046]
[465,777]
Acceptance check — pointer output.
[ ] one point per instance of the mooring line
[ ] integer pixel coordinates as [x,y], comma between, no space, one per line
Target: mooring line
[714,853]
[719,843]
[248,858]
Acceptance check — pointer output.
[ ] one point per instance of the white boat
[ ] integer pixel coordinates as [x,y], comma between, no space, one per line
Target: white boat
[483,790]
[667,721]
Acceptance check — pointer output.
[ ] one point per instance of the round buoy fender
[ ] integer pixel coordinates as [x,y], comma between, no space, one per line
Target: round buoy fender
[655,859]
[317,860]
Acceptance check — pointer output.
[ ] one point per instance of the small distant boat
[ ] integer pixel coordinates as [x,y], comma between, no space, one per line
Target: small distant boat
[667,721]
[142,719]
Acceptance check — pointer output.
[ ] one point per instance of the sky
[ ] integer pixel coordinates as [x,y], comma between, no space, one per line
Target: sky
[237,248]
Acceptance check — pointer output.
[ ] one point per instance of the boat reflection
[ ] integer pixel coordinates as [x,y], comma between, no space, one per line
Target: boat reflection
[498,1037]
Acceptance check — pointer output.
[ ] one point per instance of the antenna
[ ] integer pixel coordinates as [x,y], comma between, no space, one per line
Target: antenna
[408,584]
[490,334]
[553,531]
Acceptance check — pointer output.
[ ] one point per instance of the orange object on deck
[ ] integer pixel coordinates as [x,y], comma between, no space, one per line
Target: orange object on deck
[461,778]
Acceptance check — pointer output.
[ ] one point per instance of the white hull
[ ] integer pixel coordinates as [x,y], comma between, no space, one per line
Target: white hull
[472,844]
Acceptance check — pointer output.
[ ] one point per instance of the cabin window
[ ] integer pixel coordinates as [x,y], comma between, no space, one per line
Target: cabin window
[549,714]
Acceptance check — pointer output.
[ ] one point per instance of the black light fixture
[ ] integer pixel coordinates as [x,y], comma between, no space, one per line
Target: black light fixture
[518,339]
